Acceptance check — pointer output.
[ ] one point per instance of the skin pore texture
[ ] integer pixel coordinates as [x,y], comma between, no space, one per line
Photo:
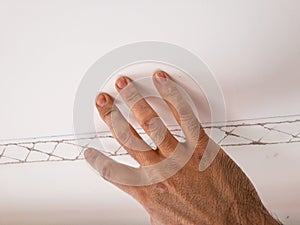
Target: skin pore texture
[220,195]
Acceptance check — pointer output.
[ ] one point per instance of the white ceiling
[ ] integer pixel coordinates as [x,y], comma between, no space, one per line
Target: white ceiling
[252,47]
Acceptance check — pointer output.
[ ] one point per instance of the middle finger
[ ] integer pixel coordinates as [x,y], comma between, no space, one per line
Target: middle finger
[146,116]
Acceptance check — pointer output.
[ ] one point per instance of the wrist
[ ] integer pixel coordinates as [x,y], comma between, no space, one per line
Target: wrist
[240,201]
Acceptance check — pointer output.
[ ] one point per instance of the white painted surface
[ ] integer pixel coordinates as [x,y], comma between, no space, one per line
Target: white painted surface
[252,47]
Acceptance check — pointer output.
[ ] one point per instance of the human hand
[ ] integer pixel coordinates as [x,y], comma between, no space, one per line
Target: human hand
[179,193]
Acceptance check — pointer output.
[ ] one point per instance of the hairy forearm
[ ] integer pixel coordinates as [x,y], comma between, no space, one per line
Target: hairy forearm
[235,187]
[226,198]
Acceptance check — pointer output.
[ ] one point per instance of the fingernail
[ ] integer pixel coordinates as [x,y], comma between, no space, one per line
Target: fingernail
[161,76]
[101,100]
[121,83]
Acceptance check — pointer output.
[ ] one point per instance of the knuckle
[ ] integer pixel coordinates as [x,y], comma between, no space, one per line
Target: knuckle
[172,95]
[130,95]
[124,137]
[106,113]
[187,116]
[104,167]
[161,188]
[189,120]
[185,111]
[105,173]
[194,131]
[147,123]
